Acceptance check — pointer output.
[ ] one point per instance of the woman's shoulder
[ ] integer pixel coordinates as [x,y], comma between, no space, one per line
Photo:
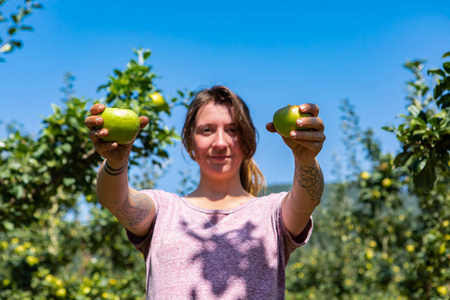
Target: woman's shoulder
[270,202]
[161,196]
[272,196]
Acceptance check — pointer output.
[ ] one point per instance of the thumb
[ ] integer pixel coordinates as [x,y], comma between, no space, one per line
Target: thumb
[144,122]
[270,127]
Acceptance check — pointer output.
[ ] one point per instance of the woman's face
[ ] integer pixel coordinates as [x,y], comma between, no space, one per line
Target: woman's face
[216,146]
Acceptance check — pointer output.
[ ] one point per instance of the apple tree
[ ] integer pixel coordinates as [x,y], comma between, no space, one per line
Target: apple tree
[350,255]
[10,43]
[386,230]
[50,249]
[425,140]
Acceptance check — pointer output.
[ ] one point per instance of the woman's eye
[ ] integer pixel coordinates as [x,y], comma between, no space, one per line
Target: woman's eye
[232,130]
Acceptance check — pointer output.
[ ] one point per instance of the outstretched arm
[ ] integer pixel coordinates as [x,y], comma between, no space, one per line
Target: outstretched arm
[308,182]
[305,195]
[135,210]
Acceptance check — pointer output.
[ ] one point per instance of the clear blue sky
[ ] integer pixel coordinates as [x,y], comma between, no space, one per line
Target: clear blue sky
[269,52]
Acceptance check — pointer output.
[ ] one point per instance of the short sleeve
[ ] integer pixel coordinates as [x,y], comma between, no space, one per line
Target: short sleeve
[291,243]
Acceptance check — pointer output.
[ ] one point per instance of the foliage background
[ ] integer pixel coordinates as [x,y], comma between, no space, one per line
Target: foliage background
[270,52]
[380,233]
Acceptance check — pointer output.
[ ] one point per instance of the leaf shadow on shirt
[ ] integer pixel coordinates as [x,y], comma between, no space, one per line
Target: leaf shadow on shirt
[230,256]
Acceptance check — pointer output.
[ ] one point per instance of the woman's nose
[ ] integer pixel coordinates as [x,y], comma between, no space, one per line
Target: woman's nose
[220,141]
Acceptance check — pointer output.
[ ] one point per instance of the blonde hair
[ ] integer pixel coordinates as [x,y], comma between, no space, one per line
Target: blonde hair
[252,179]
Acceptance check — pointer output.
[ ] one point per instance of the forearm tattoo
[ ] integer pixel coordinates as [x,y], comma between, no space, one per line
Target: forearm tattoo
[136,209]
[311,179]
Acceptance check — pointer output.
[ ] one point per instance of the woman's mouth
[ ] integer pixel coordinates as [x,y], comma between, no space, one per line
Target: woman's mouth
[219,157]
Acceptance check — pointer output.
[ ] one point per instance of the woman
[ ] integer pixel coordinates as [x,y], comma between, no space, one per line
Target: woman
[221,241]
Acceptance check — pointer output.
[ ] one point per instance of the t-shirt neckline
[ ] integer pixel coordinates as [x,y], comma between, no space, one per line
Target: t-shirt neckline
[217,211]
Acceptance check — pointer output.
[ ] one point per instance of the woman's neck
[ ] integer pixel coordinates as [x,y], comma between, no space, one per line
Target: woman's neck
[219,189]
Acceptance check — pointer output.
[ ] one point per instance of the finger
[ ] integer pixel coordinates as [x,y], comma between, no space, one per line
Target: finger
[314,136]
[97,108]
[93,121]
[270,127]
[96,135]
[314,123]
[310,108]
[144,122]
[102,147]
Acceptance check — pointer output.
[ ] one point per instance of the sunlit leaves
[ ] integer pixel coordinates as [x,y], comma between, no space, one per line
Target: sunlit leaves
[385,234]
[425,134]
[44,177]
[132,88]
[9,43]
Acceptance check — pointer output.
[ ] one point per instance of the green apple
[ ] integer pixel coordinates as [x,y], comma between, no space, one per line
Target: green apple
[158,100]
[122,124]
[285,119]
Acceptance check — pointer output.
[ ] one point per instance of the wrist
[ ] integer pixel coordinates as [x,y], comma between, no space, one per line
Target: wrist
[115,170]
[305,162]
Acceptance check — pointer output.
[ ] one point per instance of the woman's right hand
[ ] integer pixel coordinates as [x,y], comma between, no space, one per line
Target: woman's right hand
[116,154]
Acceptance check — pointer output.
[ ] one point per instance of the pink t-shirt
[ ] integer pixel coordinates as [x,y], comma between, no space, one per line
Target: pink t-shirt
[196,253]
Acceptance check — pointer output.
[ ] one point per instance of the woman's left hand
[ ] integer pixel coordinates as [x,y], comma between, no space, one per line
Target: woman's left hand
[305,145]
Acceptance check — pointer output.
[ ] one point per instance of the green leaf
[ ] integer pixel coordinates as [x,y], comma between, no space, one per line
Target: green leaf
[402,158]
[446,55]
[118,72]
[401,127]
[68,181]
[438,90]
[101,87]
[26,28]
[447,67]
[19,191]
[426,178]
[56,109]
[25,12]
[436,72]
[415,64]
[16,43]
[15,18]
[58,151]
[414,111]
[419,165]
[423,117]
[66,147]
[26,178]
[15,166]
[417,122]
[419,133]
[12,30]
[147,54]
[444,101]
[8,225]
[440,115]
